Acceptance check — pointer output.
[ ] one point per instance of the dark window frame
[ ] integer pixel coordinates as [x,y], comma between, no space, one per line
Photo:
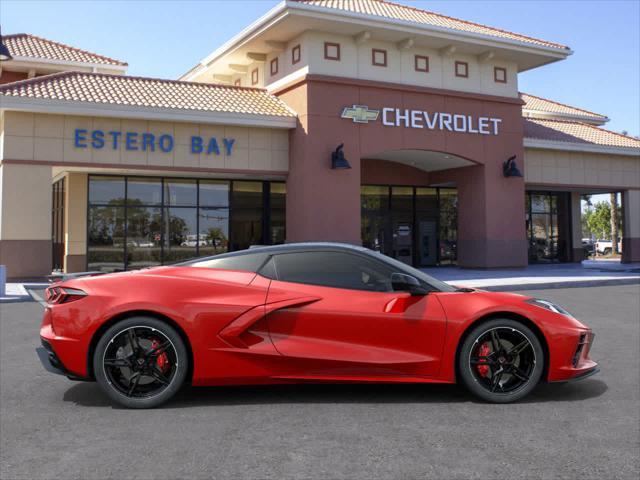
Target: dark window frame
[416,58]
[326,51]
[266,209]
[465,65]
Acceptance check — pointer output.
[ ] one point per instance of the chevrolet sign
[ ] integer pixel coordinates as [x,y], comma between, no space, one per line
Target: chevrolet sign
[402,117]
[360,114]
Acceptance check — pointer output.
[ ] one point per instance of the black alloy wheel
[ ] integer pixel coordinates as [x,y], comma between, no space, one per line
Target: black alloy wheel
[140,362]
[501,361]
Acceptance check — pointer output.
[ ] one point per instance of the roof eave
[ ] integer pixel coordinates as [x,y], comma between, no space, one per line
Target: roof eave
[536,143]
[282,9]
[68,63]
[68,107]
[548,115]
[565,51]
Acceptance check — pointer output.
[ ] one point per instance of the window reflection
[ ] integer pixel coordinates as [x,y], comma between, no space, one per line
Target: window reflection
[106,239]
[136,222]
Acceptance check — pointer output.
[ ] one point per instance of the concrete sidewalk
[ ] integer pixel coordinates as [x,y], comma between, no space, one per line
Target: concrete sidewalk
[19,292]
[538,276]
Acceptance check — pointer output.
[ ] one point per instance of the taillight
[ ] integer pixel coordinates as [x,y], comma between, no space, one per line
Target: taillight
[57,295]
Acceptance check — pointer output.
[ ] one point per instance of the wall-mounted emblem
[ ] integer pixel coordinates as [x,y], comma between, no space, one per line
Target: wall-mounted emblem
[360,114]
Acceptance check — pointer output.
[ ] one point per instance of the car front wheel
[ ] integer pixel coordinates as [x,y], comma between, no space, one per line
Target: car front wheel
[140,362]
[501,361]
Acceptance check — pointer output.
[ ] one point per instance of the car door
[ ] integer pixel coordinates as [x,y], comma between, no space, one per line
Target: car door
[342,319]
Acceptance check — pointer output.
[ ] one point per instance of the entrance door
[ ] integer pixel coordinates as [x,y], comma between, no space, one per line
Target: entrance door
[57,225]
[548,227]
[352,324]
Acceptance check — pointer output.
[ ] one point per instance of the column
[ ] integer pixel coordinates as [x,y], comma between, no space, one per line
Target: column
[631,240]
[25,220]
[75,221]
[491,219]
[577,252]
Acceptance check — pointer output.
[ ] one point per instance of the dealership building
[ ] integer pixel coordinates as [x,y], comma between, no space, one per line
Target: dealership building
[365,122]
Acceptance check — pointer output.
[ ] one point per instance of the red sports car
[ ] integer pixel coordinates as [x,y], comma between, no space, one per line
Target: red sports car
[317,312]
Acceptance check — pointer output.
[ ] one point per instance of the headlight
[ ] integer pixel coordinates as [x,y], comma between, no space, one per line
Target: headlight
[549,306]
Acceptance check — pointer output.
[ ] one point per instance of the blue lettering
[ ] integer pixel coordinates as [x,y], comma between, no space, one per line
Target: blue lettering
[97,137]
[165,142]
[213,146]
[196,144]
[228,144]
[80,137]
[115,136]
[148,140]
[132,141]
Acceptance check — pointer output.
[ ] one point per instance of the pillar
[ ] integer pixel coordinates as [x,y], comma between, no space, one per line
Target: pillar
[577,252]
[491,219]
[631,239]
[75,221]
[25,220]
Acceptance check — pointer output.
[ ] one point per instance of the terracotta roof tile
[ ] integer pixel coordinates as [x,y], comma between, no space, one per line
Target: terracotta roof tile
[545,105]
[31,46]
[148,92]
[395,11]
[575,132]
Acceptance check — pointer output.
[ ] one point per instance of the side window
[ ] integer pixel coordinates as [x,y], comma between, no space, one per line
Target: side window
[247,262]
[334,269]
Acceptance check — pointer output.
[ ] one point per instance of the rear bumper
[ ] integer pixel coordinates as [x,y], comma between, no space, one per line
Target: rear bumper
[51,362]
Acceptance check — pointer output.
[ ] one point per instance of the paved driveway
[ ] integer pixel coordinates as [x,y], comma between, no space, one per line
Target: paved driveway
[53,428]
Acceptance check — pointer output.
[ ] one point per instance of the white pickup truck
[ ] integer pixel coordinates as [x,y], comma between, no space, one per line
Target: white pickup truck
[605,247]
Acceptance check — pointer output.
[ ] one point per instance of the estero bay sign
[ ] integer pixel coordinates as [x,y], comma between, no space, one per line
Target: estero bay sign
[136,141]
[403,117]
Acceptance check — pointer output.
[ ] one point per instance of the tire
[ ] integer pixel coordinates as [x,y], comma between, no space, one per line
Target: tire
[498,375]
[607,251]
[140,362]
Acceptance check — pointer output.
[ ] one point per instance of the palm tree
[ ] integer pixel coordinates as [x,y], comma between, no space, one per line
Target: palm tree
[614,223]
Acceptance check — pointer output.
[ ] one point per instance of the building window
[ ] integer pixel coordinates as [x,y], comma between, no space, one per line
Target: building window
[500,74]
[57,224]
[238,82]
[254,76]
[462,69]
[135,222]
[378,57]
[421,63]
[416,225]
[295,54]
[331,51]
[274,67]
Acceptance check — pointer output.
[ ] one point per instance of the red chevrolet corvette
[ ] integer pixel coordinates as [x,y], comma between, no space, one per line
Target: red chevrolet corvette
[317,312]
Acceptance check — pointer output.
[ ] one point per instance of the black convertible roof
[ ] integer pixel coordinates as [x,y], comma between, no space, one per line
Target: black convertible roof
[283,248]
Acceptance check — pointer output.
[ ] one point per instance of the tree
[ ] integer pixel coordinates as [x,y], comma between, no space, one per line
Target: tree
[598,220]
[614,222]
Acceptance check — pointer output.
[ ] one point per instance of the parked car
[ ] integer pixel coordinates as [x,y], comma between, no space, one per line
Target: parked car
[299,313]
[605,247]
[588,247]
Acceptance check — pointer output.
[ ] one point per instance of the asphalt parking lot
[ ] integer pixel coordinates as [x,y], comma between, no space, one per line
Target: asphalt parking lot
[54,428]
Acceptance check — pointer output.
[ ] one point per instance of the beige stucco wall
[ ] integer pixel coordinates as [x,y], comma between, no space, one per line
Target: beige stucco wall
[76,213]
[631,203]
[25,201]
[50,138]
[355,62]
[554,167]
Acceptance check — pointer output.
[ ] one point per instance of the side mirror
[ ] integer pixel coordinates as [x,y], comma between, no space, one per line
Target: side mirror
[401,282]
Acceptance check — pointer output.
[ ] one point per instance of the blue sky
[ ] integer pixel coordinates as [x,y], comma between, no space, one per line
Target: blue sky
[166,38]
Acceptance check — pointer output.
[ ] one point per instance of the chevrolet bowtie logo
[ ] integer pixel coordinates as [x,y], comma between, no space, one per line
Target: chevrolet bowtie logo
[360,114]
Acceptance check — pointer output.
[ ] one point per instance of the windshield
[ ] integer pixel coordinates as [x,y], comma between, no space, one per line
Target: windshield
[404,268]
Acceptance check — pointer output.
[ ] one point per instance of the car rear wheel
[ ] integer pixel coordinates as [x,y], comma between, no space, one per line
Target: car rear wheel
[140,362]
[501,361]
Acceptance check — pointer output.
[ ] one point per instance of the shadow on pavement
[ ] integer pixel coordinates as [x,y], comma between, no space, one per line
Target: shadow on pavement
[89,394]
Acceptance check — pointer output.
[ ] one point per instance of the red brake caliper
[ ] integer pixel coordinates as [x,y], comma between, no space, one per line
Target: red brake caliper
[162,361]
[483,351]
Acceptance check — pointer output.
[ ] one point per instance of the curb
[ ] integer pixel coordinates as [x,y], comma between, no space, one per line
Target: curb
[545,286]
